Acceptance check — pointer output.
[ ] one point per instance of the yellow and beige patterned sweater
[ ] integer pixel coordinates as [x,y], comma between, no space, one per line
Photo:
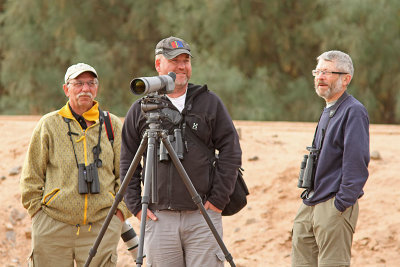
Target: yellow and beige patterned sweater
[49,179]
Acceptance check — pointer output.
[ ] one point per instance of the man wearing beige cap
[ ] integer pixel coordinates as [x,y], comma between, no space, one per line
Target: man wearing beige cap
[176,233]
[70,177]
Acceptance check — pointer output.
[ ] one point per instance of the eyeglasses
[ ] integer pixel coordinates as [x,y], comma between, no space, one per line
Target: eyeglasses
[80,84]
[325,72]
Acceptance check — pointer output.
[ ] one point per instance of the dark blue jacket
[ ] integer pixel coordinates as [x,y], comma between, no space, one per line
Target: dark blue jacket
[342,168]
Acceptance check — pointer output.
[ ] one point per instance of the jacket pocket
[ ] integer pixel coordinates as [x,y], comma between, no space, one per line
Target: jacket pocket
[50,196]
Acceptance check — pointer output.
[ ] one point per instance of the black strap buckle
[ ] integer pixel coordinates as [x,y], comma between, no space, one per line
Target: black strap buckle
[306,194]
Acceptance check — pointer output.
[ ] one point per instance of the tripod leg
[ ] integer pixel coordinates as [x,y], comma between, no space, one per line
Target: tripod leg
[195,196]
[118,199]
[148,177]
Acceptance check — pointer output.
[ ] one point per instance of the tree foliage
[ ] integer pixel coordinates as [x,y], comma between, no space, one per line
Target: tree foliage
[257,55]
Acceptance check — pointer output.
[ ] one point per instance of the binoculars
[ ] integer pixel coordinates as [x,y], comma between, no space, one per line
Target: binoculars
[88,179]
[177,144]
[307,169]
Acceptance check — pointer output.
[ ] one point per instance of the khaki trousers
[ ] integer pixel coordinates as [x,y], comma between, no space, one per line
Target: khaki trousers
[55,243]
[322,235]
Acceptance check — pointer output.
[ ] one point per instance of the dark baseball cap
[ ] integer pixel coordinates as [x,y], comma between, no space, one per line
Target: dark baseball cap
[172,47]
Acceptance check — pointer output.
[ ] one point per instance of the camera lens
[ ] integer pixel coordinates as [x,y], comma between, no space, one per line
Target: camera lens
[138,87]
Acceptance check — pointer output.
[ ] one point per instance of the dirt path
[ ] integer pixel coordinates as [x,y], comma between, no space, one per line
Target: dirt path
[260,234]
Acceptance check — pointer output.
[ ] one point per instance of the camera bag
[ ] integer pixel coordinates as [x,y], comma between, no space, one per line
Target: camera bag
[238,199]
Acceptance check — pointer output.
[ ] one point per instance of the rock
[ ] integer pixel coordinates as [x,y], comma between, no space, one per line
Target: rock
[250,221]
[28,233]
[255,158]
[10,235]
[15,170]
[16,216]
[240,240]
[239,131]
[364,242]
[375,155]
[9,227]
[3,178]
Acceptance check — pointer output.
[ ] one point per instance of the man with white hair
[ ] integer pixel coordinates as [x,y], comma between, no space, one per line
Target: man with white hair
[70,177]
[336,170]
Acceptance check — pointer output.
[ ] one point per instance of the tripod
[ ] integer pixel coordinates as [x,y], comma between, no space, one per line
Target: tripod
[150,138]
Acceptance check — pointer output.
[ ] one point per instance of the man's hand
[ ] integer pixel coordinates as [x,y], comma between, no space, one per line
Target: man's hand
[149,215]
[210,206]
[120,215]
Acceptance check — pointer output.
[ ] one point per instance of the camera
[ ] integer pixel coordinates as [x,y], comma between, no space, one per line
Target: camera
[163,84]
[307,169]
[88,179]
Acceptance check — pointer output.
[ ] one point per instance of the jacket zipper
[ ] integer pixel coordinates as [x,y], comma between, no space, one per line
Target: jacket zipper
[85,155]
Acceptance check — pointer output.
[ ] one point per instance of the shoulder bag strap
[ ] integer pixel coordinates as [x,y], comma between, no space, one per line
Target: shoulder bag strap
[208,152]
[108,125]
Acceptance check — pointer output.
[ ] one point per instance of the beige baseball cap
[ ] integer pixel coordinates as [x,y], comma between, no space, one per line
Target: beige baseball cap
[77,69]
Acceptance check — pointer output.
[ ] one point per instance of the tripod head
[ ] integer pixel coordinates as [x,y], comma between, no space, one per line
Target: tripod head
[153,102]
[157,110]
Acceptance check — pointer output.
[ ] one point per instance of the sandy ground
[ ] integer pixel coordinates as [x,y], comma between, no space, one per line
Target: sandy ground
[260,234]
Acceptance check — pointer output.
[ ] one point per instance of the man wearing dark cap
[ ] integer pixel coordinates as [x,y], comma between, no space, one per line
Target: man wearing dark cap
[68,155]
[176,233]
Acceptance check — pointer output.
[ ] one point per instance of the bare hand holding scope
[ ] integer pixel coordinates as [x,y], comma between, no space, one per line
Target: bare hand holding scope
[163,84]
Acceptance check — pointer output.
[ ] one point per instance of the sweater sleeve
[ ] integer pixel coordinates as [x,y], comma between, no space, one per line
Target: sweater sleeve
[355,158]
[34,170]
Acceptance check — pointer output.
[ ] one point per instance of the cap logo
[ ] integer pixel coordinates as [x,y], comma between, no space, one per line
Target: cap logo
[176,44]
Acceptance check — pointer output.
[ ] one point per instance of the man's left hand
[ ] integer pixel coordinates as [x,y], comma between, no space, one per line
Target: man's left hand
[210,206]
[120,215]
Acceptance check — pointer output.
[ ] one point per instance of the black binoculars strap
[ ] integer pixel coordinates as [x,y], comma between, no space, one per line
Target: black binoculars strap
[208,152]
[96,150]
[332,113]
[70,137]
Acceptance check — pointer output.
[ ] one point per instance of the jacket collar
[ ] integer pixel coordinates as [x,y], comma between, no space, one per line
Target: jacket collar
[91,115]
[193,91]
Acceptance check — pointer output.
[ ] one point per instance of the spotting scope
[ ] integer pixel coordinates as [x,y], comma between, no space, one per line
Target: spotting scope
[163,84]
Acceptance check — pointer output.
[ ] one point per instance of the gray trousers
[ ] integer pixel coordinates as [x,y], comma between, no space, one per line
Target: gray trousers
[183,239]
[322,235]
